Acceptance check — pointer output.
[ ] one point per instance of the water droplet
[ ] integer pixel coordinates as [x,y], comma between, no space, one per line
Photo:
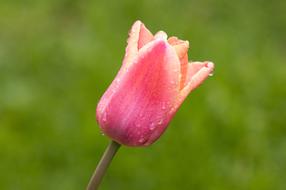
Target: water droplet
[104,117]
[152,126]
[163,106]
[172,110]
[160,122]
[141,140]
[141,115]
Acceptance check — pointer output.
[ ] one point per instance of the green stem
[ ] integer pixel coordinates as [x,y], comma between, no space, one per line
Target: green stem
[102,166]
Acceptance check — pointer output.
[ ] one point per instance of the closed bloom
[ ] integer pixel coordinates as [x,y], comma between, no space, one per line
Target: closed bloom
[152,83]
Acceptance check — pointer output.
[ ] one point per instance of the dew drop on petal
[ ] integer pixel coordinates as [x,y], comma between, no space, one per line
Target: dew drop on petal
[137,124]
[141,140]
[152,126]
[104,117]
[171,110]
[163,106]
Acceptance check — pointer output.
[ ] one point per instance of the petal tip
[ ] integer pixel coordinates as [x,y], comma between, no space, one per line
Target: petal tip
[138,22]
[209,64]
[161,35]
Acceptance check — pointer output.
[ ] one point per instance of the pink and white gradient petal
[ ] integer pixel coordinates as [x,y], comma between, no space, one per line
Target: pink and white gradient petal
[144,97]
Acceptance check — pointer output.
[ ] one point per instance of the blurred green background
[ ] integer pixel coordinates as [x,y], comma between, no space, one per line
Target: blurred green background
[57,57]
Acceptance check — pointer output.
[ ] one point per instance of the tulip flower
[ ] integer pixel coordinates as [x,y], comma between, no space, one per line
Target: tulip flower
[152,83]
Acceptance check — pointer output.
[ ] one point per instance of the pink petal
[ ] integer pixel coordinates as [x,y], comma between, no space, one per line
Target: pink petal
[139,110]
[139,35]
[161,35]
[197,73]
[145,36]
[181,48]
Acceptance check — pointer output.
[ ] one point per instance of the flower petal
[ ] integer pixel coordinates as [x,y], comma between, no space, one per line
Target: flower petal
[139,35]
[161,35]
[197,73]
[181,48]
[145,36]
[139,111]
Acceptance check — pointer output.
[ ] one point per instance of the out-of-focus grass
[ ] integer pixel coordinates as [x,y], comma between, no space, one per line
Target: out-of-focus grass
[57,57]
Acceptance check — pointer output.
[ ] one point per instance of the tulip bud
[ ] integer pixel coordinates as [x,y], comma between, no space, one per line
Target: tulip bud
[152,83]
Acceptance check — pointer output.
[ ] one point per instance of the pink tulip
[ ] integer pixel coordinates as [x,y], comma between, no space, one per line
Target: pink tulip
[152,83]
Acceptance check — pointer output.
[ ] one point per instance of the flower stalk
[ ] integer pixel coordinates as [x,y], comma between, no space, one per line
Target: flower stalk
[102,166]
